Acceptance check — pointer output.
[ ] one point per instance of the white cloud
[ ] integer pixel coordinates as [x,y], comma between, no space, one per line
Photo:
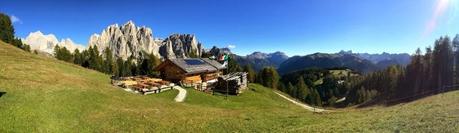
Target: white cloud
[15,19]
[231,46]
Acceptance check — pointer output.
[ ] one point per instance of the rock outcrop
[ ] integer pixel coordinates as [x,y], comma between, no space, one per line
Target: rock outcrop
[128,40]
[46,43]
[215,51]
[181,46]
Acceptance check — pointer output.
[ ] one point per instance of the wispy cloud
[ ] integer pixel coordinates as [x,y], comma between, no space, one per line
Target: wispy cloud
[231,46]
[15,19]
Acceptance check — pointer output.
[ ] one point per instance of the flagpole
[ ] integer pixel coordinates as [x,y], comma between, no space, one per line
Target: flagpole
[227,72]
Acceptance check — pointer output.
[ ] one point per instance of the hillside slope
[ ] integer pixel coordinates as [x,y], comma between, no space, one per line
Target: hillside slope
[46,95]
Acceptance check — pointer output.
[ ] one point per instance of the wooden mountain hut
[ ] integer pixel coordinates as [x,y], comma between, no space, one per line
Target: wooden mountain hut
[190,70]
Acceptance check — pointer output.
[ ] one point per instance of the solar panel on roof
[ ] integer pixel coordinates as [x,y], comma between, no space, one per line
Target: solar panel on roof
[194,62]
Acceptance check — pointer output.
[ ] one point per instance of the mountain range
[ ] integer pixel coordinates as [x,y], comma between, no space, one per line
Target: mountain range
[46,43]
[259,60]
[129,40]
[124,41]
[360,62]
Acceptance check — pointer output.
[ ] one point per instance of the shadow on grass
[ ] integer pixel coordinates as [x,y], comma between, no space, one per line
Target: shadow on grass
[2,93]
[396,101]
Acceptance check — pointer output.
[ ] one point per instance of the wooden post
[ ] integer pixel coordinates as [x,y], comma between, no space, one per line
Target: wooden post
[226,96]
[226,90]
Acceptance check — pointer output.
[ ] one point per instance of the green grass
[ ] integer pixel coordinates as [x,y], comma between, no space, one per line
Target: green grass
[47,95]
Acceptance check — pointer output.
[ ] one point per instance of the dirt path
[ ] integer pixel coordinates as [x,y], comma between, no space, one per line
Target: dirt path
[305,106]
[181,95]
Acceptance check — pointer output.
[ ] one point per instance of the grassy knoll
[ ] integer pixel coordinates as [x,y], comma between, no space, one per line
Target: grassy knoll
[47,95]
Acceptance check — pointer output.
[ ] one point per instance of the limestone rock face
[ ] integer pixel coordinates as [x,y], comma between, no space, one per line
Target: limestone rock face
[215,51]
[128,40]
[181,46]
[46,43]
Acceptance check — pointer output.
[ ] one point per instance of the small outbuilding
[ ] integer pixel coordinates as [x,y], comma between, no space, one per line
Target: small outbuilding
[190,70]
[234,83]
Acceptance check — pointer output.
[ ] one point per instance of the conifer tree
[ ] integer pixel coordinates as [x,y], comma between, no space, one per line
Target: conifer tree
[6,28]
[303,89]
[251,74]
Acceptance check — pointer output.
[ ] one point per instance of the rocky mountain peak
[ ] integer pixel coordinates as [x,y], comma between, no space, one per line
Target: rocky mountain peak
[125,41]
[130,40]
[215,51]
[181,46]
[46,42]
[257,55]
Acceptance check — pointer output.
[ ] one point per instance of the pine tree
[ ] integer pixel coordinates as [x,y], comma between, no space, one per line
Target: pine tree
[61,53]
[316,97]
[7,33]
[456,59]
[282,87]
[95,60]
[303,89]
[85,57]
[109,63]
[427,70]
[6,28]
[77,57]
[291,90]
[442,63]
[148,65]
[56,52]
[131,66]
[121,68]
[233,66]
[270,77]
[251,75]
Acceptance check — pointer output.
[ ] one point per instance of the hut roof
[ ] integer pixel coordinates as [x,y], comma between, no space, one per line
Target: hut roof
[214,63]
[195,65]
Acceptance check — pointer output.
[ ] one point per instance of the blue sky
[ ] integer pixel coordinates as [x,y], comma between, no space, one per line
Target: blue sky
[296,27]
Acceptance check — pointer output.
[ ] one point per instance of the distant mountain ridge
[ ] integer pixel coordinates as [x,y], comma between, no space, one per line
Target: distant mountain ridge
[259,60]
[324,60]
[402,58]
[46,43]
[361,62]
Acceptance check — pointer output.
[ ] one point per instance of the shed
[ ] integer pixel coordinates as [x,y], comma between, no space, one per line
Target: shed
[234,83]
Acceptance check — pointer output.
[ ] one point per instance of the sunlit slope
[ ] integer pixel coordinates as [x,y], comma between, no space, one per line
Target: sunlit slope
[47,95]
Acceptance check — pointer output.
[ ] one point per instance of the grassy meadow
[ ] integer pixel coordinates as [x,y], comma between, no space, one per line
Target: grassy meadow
[46,95]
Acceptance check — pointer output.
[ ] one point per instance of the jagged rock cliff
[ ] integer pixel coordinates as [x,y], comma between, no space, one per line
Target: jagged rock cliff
[46,43]
[128,40]
[181,46]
